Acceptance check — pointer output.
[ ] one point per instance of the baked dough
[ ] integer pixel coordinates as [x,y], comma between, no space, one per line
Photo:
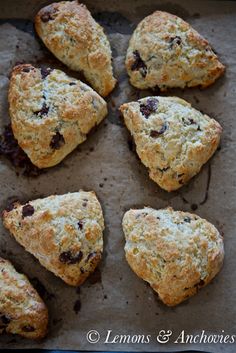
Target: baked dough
[167,52]
[51,113]
[175,252]
[64,232]
[173,140]
[22,311]
[69,31]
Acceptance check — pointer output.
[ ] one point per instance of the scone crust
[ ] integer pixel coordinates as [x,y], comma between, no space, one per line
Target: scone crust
[176,252]
[165,51]
[173,140]
[22,311]
[69,31]
[51,113]
[64,232]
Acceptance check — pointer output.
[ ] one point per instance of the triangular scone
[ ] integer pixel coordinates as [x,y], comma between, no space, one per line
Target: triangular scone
[165,51]
[63,232]
[69,31]
[173,140]
[51,113]
[175,252]
[22,311]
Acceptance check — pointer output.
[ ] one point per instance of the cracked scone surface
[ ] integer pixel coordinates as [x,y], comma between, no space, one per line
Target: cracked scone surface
[175,252]
[173,140]
[51,113]
[69,31]
[22,311]
[64,232]
[167,52]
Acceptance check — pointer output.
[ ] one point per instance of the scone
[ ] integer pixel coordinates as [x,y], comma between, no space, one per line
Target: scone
[63,232]
[51,113]
[175,252]
[69,31]
[167,52]
[173,140]
[22,311]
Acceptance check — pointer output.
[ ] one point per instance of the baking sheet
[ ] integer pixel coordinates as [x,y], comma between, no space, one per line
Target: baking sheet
[114,298]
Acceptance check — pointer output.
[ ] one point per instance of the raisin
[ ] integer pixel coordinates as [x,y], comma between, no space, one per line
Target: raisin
[80,225]
[57,141]
[156,133]
[28,328]
[175,41]
[45,72]
[68,258]
[27,211]
[187,219]
[43,111]
[139,64]
[72,83]
[149,107]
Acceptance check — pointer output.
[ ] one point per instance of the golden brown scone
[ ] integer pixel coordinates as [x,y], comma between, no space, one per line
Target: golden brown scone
[22,311]
[63,232]
[51,113]
[173,140]
[69,31]
[167,52]
[175,252]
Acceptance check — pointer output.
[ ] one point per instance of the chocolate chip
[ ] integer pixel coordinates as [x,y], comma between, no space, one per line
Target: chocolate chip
[157,133]
[149,107]
[68,258]
[187,219]
[175,41]
[28,328]
[80,225]
[5,320]
[27,211]
[45,72]
[43,111]
[139,64]
[57,141]
[72,83]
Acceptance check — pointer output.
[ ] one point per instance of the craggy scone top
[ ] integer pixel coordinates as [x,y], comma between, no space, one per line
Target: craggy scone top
[173,140]
[166,51]
[175,252]
[63,232]
[51,113]
[69,31]
[22,311]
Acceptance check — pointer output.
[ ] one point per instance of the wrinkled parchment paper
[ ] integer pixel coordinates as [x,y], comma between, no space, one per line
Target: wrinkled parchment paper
[115,298]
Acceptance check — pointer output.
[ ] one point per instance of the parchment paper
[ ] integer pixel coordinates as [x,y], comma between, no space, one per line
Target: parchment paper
[115,298]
